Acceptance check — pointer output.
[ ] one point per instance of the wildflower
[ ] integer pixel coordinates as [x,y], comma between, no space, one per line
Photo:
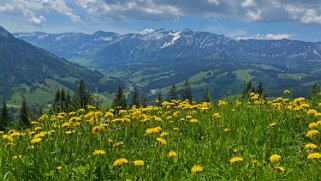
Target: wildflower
[120,161]
[275,158]
[164,134]
[227,130]
[59,167]
[188,117]
[7,137]
[196,168]
[310,146]
[280,169]
[311,133]
[312,111]
[1,132]
[35,140]
[38,128]
[16,157]
[272,124]
[216,115]
[193,121]
[175,129]
[171,154]
[313,125]
[254,161]
[97,129]
[314,155]
[119,143]
[161,141]
[153,130]
[139,163]
[286,91]
[99,152]
[68,132]
[236,159]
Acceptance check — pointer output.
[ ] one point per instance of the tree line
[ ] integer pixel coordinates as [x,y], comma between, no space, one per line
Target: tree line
[64,101]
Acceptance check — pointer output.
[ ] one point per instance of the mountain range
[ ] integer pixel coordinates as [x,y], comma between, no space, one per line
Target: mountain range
[31,72]
[155,59]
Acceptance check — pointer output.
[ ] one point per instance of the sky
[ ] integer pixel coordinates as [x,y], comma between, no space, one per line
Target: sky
[238,19]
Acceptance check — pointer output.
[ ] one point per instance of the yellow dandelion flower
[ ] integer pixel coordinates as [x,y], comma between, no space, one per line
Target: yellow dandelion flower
[286,91]
[314,155]
[7,137]
[275,158]
[1,132]
[193,120]
[175,129]
[172,154]
[161,141]
[68,132]
[313,125]
[217,115]
[196,168]
[272,124]
[311,111]
[310,146]
[311,133]
[236,159]
[99,152]
[16,157]
[139,163]
[59,167]
[188,117]
[119,143]
[120,161]
[227,130]
[164,134]
[36,140]
[153,130]
[280,169]
[97,129]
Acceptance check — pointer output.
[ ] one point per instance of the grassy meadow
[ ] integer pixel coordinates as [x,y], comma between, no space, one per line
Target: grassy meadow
[227,140]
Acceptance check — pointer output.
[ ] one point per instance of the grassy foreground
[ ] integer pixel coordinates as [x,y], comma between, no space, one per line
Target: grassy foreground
[228,140]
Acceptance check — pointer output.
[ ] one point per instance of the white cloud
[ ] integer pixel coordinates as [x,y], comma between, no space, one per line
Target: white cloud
[301,11]
[6,8]
[248,3]
[37,20]
[269,36]
[254,16]
[311,16]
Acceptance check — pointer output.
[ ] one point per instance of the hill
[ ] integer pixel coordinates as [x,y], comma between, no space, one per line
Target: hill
[35,73]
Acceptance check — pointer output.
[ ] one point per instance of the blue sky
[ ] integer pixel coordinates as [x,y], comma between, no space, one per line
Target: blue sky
[239,19]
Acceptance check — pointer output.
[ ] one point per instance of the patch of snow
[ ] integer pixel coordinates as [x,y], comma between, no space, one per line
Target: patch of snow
[176,36]
[146,31]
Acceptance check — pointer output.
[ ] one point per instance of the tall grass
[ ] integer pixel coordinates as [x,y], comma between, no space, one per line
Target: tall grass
[228,140]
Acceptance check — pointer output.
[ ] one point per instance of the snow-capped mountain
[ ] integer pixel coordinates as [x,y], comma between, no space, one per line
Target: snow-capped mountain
[106,47]
[155,59]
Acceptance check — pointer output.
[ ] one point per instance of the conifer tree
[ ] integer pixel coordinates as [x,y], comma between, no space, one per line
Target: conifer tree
[135,98]
[24,115]
[187,94]
[260,89]
[120,100]
[315,90]
[207,95]
[248,89]
[159,98]
[172,94]
[82,96]
[5,118]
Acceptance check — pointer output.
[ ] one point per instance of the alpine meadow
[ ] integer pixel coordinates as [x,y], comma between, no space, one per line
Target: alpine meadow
[174,90]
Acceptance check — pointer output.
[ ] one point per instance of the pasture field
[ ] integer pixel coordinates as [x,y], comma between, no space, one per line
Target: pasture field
[230,139]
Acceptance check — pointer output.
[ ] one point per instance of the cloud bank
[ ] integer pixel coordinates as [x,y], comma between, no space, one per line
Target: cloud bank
[36,11]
